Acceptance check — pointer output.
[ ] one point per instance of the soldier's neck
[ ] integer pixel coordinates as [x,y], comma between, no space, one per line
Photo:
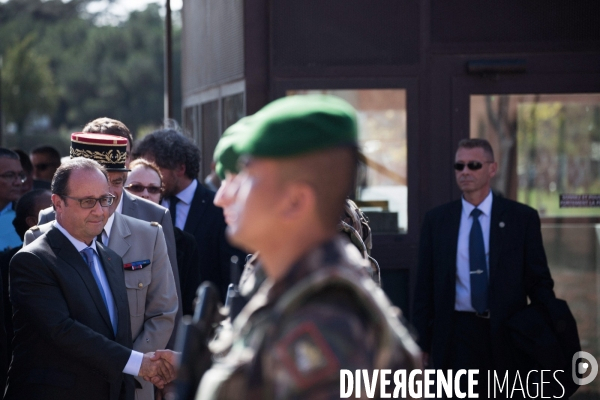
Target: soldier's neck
[278,259]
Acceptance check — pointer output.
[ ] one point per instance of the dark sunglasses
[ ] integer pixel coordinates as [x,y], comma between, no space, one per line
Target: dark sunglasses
[140,188]
[472,165]
[44,166]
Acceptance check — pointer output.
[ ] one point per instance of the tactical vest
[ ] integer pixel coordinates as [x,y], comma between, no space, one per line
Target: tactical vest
[396,350]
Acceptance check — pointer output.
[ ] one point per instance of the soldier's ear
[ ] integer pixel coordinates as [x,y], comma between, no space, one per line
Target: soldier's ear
[299,201]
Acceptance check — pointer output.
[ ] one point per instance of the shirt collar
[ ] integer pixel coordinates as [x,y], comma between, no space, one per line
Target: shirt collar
[109,224]
[79,245]
[119,208]
[485,206]
[8,208]
[187,195]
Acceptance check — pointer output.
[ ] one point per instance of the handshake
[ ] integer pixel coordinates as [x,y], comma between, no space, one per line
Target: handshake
[159,367]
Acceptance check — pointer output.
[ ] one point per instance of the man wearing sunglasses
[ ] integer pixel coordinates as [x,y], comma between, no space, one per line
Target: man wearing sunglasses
[480,258]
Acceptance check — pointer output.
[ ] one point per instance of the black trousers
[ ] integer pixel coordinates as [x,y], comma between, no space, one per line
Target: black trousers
[471,349]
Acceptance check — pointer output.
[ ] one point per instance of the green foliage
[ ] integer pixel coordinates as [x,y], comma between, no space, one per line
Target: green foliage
[27,83]
[99,70]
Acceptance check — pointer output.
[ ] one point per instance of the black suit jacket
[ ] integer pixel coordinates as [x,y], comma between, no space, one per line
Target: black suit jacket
[189,263]
[206,223]
[517,265]
[6,333]
[64,344]
[136,207]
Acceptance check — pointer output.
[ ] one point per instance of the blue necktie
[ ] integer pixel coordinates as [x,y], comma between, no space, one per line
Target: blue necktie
[478,265]
[88,256]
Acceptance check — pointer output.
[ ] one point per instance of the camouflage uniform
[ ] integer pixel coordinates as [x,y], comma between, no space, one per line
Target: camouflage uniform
[294,336]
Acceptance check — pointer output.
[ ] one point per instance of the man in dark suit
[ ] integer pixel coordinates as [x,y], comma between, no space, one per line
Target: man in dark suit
[70,309]
[191,204]
[130,205]
[480,258]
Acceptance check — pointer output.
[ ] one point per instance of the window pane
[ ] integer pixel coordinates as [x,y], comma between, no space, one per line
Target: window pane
[233,109]
[547,145]
[382,185]
[210,135]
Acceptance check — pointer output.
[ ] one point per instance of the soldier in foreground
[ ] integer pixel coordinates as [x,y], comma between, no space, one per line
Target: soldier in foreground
[318,311]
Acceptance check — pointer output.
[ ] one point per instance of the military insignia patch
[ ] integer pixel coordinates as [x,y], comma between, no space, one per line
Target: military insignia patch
[307,356]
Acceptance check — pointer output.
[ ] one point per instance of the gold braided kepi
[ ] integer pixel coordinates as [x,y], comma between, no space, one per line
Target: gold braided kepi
[108,150]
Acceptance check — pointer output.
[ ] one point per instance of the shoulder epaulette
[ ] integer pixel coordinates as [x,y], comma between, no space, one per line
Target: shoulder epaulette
[154,223]
[35,228]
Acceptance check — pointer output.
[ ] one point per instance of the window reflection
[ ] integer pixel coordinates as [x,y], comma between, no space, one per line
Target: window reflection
[547,145]
[382,184]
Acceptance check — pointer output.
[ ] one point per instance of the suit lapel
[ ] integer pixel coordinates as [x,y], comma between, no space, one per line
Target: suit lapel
[118,241]
[65,250]
[497,224]
[452,227]
[129,204]
[197,209]
[113,268]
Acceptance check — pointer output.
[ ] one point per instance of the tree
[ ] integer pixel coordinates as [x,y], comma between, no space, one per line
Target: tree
[27,84]
[99,70]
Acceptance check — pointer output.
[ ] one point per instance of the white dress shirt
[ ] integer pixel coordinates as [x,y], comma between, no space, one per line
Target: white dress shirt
[107,229]
[462,300]
[135,359]
[183,206]
[120,205]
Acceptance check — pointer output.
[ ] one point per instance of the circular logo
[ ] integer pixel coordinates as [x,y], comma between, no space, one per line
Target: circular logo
[581,363]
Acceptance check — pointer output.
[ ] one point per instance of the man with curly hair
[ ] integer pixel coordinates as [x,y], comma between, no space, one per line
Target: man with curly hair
[190,203]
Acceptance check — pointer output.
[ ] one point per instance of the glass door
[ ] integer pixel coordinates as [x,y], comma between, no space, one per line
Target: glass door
[548,149]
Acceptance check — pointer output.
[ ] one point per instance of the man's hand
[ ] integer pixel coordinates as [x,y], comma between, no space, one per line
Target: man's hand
[156,370]
[169,357]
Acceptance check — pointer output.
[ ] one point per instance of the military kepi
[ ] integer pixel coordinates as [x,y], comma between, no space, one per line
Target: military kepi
[108,150]
[299,124]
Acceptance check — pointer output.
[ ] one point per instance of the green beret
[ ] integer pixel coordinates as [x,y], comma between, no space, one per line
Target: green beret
[297,125]
[225,155]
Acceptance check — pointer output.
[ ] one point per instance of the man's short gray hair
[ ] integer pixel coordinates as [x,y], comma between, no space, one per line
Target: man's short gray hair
[60,181]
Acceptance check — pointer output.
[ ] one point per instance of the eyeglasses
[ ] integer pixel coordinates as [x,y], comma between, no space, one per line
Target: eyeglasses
[134,188]
[12,176]
[472,165]
[44,166]
[105,201]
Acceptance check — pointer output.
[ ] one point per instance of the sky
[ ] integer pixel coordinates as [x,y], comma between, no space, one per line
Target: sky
[123,7]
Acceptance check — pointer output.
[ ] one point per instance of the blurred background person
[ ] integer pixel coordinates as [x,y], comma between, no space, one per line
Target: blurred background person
[12,178]
[191,204]
[27,166]
[145,181]
[45,160]
[27,210]
[28,169]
